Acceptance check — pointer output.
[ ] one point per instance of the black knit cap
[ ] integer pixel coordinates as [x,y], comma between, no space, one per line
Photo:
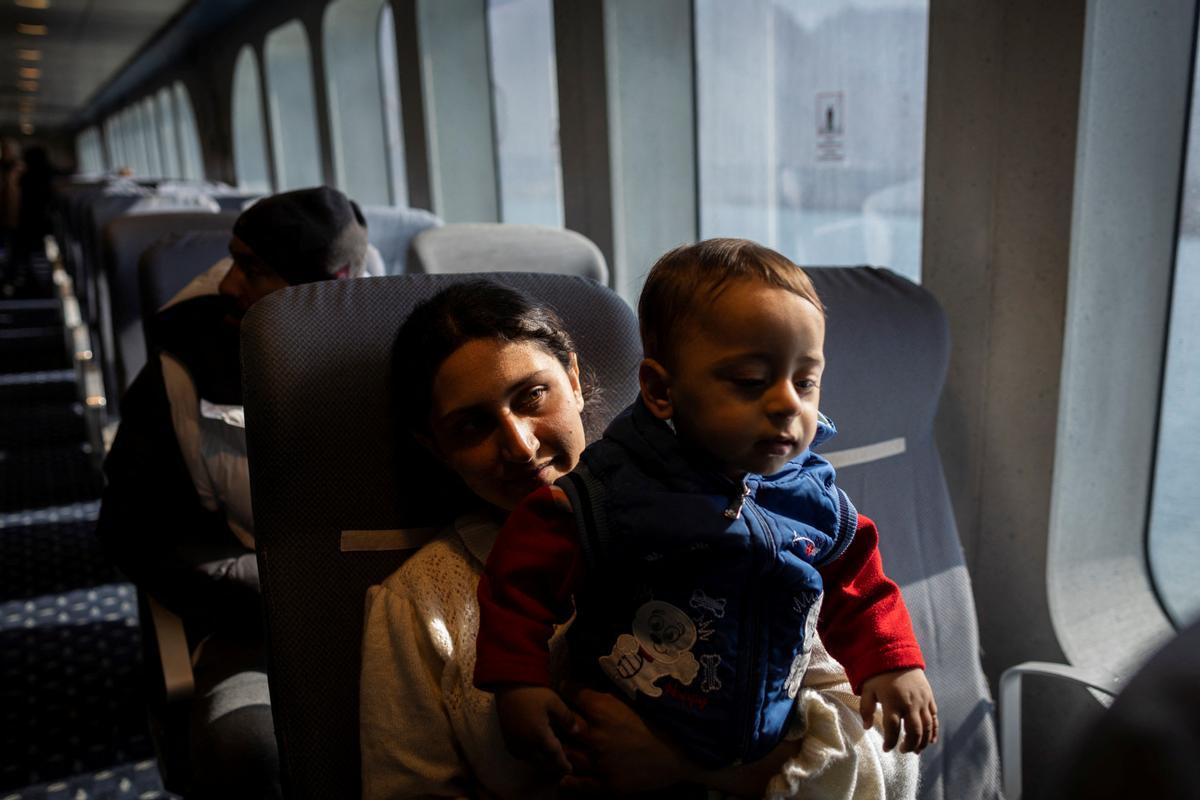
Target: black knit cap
[305,235]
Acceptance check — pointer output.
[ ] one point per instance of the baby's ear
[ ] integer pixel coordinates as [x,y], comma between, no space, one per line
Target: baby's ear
[655,382]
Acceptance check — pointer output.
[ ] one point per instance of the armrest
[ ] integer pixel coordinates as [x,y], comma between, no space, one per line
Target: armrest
[1010,710]
[173,652]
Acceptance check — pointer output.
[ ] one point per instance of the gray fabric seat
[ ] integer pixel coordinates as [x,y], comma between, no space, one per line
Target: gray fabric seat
[486,247]
[171,263]
[125,240]
[887,350]
[392,230]
[323,460]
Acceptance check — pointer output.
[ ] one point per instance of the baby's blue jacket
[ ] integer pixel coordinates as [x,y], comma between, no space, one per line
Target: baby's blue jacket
[702,594]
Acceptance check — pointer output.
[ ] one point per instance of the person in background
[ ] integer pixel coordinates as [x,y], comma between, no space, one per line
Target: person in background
[176,515]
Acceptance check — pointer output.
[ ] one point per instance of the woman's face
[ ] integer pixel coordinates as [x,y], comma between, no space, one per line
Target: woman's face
[505,416]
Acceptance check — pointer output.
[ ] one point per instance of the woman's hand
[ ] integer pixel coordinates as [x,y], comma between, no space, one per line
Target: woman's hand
[616,752]
[534,720]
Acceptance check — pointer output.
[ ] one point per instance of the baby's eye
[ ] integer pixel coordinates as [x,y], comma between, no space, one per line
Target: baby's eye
[806,385]
[747,381]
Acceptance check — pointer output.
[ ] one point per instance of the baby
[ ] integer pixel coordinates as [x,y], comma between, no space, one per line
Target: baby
[701,543]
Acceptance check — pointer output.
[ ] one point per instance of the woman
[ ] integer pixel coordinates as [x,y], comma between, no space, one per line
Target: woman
[494,392]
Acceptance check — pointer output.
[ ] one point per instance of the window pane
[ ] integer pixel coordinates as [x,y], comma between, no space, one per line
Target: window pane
[1175,505]
[812,126]
[355,94]
[167,138]
[390,81]
[249,141]
[150,133]
[293,110]
[525,102]
[115,158]
[88,153]
[191,158]
[137,141]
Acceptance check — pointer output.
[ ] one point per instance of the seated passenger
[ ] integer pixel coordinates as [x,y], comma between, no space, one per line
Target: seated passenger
[712,537]
[176,514]
[493,390]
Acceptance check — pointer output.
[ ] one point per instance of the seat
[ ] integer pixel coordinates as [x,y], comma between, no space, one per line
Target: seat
[391,231]
[323,460]
[487,247]
[887,351]
[170,263]
[125,240]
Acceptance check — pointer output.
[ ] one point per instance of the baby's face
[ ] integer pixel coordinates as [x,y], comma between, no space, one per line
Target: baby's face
[745,377]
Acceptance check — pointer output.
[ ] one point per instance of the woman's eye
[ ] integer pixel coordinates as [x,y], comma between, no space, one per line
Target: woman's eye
[535,396]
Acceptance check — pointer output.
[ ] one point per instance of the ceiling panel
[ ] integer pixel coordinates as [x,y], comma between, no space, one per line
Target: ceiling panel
[86,44]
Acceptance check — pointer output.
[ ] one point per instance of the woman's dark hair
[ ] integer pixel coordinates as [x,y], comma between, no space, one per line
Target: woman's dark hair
[454,316]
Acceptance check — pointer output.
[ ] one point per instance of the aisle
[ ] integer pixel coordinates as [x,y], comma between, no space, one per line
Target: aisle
[72,717]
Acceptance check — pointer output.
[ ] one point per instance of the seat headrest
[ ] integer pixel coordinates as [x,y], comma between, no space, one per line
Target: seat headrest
[886,352]
[316,364]
[488,247]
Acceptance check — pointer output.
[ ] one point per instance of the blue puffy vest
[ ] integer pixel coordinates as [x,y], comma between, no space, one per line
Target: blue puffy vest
[702,593]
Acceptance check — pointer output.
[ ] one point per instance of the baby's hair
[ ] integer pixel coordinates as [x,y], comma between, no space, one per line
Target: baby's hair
[691,276]
[458,314]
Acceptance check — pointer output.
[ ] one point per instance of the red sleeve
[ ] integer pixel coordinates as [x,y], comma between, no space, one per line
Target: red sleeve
[527,587]
[864,623]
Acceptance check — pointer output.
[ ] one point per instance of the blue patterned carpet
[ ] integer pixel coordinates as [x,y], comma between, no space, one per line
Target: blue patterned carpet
[73,720]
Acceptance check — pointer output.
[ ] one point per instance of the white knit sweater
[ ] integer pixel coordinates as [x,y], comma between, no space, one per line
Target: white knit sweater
[428,732]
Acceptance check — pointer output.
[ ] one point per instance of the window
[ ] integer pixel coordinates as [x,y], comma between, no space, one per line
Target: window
[354,87]
[525,105]
[135,137]
[167,136]
[116,158]
[150,132]
[89,155]
[390,79]
[811,127]
[191,159]
[294,143]
[249,141]
[1174,532]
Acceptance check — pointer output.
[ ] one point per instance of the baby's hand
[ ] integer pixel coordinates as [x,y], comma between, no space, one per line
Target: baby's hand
[532,718]
[906,697]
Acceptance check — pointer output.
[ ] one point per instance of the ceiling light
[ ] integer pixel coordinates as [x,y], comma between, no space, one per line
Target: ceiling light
[29,55]
[33,3]
[32,30]
[29,72]
[27,86]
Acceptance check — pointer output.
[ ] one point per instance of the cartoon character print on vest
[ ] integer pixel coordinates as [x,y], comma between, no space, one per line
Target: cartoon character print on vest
[660,646]
[808,606]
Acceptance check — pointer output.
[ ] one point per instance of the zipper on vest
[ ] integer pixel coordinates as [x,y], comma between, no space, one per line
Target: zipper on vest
[754,665]
[734,509]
